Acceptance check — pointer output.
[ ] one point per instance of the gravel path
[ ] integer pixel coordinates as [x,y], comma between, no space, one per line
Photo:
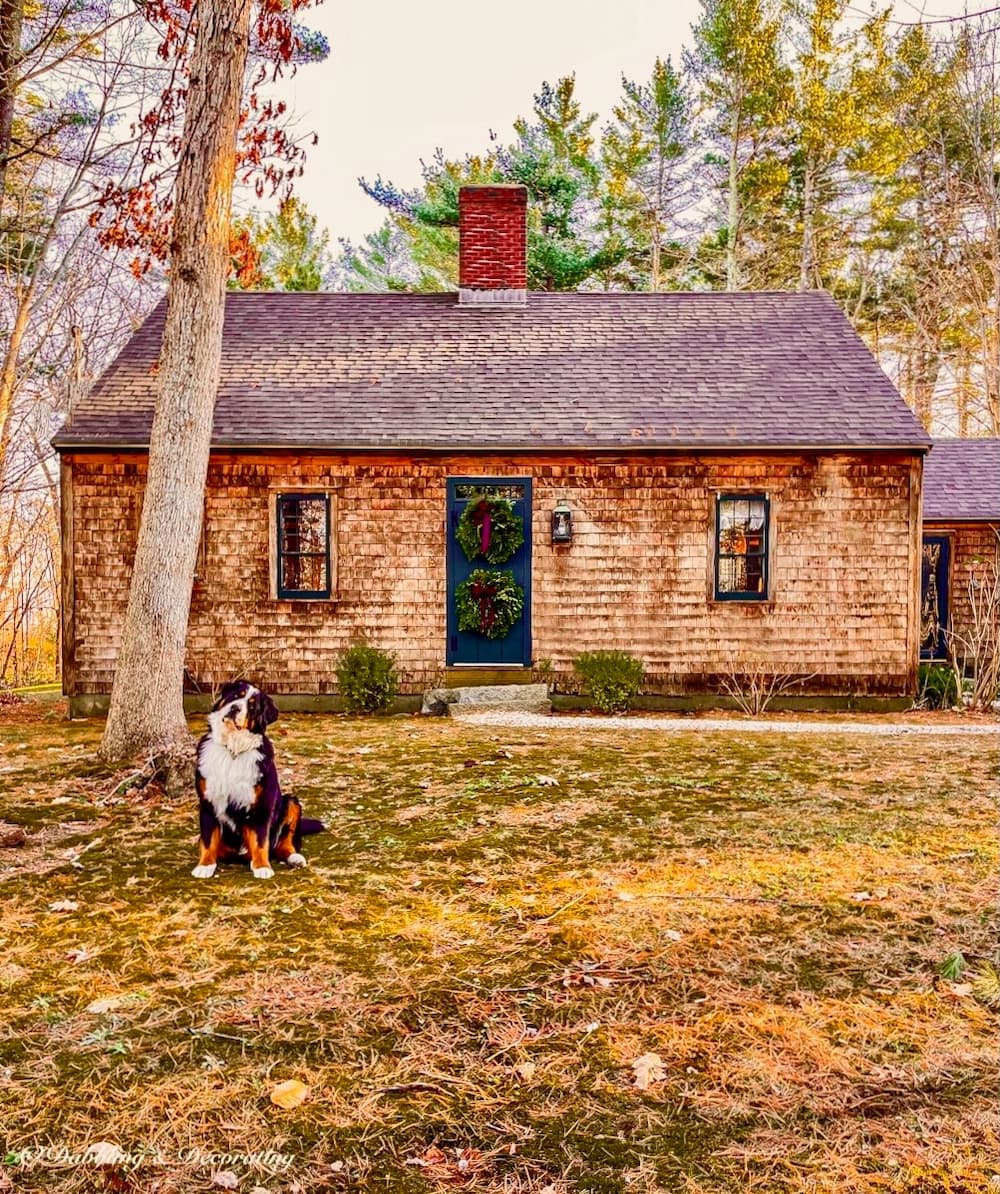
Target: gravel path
[543,721]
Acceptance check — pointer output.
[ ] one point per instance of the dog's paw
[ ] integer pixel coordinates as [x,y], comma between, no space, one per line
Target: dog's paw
[296,860]
[262,872]
[204,872]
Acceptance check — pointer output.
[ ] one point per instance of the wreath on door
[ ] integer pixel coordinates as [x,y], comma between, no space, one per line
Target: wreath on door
[489,603]
[489,528]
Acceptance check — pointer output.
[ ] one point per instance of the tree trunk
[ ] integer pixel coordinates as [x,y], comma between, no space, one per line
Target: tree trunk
[807,256]
[733,216]
[147,713]
[11,21]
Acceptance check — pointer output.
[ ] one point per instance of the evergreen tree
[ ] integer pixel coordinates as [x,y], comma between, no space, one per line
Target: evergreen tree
[746,93]
[648,186]
[553,157]
[283,251]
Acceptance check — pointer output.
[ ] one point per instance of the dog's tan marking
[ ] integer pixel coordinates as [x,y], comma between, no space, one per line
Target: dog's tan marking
[284,847]
[260,862]
[209,855]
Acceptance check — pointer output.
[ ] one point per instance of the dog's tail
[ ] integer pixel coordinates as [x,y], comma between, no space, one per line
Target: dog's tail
[309,825]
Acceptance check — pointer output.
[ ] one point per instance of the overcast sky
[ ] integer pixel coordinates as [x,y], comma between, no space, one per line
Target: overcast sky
[404,78]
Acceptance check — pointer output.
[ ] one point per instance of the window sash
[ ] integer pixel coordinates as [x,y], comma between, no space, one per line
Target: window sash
[289,548]
[742,525]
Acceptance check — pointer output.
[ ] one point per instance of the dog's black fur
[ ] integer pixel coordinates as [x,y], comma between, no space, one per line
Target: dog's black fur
[242,809]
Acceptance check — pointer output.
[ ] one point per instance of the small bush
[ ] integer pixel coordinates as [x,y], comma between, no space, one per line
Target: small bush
[610,678]
[366,678]
[937,686]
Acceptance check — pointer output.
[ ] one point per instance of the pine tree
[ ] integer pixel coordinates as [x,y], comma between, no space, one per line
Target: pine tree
[745,93]
[648,185]
[285,250]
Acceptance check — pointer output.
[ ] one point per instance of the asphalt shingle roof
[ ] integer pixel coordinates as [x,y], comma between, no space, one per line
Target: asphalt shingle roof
[962,480]
[586,371]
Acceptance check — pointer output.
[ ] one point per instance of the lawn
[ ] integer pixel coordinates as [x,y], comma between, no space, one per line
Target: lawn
[521,960]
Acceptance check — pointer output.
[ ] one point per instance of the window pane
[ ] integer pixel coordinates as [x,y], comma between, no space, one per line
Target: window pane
[514,493]
[304,521]
[733,574]
[305,573]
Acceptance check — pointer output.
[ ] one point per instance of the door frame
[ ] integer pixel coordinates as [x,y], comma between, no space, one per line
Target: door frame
[451,618]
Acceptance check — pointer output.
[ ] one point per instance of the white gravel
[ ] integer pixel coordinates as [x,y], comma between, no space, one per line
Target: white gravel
[545,721]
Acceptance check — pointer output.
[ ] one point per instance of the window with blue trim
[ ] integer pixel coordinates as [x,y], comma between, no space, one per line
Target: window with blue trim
[741,534]
[303,555]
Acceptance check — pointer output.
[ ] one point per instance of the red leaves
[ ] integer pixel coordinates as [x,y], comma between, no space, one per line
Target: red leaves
[138,216]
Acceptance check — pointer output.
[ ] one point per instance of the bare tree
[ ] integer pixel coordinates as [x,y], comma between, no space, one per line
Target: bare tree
[147,712]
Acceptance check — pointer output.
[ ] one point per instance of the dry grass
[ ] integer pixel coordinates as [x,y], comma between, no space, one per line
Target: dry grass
[499,924]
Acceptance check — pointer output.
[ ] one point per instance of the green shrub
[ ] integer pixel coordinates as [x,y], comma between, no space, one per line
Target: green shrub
[610,678]
[936,686]
[366,678]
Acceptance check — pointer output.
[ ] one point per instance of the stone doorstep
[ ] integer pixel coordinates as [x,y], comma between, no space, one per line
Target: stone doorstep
[522,698]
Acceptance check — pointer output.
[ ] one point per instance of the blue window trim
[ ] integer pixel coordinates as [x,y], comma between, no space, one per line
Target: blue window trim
[763,555]
[302,594]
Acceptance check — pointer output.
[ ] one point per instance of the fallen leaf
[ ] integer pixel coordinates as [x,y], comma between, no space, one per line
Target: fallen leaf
[80,954]
[961,990]
[100,1006]
[525,1070]
[289,1094]
[625,896]
[546,781]
[648,1068]
[673,935]
[860,897]
[64,906]
[226,1179]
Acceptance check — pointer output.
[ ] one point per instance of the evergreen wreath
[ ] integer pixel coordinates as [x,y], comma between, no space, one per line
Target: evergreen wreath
[489,603]
[489,527]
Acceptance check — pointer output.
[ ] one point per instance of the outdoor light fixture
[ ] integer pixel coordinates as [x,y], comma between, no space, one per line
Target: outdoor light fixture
[562,524]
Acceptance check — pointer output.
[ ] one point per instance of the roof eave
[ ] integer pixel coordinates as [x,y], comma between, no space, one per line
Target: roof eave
[66,444]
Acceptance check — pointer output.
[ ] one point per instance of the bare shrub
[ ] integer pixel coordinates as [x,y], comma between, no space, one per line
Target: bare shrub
[975,652]
[753,685]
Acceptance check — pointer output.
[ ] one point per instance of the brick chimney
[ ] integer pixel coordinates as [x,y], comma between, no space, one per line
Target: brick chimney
[492,245]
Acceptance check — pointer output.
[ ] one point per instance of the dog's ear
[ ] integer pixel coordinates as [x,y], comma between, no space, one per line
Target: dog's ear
[231,691]
[263,711]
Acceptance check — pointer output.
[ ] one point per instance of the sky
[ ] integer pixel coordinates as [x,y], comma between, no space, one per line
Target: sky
[403,79]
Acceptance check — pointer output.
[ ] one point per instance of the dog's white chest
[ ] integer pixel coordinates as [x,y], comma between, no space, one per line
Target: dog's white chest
[229,778]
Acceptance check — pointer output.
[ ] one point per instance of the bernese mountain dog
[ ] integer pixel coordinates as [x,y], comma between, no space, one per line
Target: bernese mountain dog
[241,806]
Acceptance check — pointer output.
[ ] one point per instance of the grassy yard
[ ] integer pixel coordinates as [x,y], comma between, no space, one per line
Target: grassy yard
[522,960]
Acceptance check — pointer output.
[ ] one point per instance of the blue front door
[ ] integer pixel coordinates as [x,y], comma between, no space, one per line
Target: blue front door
[471,647]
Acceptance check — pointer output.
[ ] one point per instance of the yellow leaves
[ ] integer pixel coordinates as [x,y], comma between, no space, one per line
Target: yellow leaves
[290,1094]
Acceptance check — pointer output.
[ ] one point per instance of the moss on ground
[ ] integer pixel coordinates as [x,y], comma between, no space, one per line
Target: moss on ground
[498,924]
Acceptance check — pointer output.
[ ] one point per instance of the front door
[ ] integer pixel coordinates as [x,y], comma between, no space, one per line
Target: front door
[934,567]
[512,647]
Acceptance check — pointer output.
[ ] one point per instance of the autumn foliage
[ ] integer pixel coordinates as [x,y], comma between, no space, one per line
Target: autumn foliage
[136,215]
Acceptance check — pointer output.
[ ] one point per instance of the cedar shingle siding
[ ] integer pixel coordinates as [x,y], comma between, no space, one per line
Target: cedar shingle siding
[638,575]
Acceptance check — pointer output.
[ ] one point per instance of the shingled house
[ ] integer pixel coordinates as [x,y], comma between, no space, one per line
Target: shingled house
[713,482]
[961,540]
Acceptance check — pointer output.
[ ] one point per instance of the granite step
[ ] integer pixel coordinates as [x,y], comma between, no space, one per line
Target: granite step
[454,702]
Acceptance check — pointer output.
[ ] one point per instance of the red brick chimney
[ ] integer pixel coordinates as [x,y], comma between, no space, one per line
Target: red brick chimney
[492,245]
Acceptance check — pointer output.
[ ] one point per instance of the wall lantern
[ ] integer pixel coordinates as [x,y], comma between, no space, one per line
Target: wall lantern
[562,524]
